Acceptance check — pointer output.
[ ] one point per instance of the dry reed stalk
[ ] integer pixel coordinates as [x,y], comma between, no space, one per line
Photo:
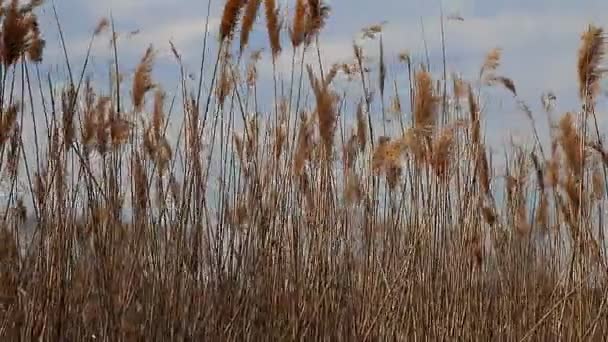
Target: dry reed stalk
[475,120]
[102,124]
[350,152]
[461,88]
[353,192]
[7,123]
[483,170]
[522,227]
[361,127]
[542,211]
[140,178]
[67,107]
[224,86]
[599,186]
[238,147]
[280,138]
[158,115]
[571,187]
[12,166]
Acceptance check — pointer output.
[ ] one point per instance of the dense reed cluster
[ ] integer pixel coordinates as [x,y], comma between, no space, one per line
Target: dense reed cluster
[307,213]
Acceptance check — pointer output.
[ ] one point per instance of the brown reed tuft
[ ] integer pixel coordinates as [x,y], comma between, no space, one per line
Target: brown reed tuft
[540,177]
[142,81]
[505,82]
[7,123]
[483,170]
[542,211]
[522,227]
[352,190]
[35,42]
[102,25]
[490,64]
[225,83]
[571,187]
[461,88]
[304,145]
[326,112]
[158,115]
[387,156]
[230,17]
[12,166]
[251,12]
[590,55]
[297,32]
[238,147]
[273,25]
[474,115]
[102,124]
[425,103]
[382,69]
[599,185]
[318,13]
[489,215]
[350,152]
[570,142]
[15,28]
[140,178]
[361,127]
[442,151]
[280,139]
[120,129]
[67,107]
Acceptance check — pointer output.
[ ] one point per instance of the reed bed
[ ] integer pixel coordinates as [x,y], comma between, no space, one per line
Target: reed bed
[304,213]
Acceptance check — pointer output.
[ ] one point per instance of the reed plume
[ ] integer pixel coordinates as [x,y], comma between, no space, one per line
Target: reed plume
[273,25]
[251,12]
[361,127]
[142,81]
[490,64]
[230,17]
[570,142]
[425,103]
[297,32]
[317,15]
[326,111]
[15,28]
[102,25]
[442,151]
[590,56]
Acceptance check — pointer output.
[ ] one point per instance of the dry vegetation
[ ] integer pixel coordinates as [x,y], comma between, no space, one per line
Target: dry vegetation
[309,221]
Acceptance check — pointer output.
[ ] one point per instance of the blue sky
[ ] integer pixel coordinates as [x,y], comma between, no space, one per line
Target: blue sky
[539,39]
